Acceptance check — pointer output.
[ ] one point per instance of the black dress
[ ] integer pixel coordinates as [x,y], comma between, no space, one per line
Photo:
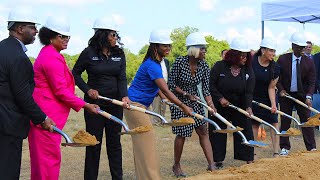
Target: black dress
[264,75]
[238,91]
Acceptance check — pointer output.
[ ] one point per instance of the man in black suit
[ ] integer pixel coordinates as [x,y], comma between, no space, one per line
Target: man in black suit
[157,105]
[297,78]
[17,106]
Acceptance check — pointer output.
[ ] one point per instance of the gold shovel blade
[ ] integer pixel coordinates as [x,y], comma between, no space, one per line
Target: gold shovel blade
[138,130]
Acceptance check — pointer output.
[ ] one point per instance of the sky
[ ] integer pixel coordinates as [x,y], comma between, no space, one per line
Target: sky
[135,19]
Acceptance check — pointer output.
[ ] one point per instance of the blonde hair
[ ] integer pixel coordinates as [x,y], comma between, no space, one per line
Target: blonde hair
[193,51]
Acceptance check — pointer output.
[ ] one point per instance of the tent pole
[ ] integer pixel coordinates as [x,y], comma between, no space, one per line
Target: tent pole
[262,32]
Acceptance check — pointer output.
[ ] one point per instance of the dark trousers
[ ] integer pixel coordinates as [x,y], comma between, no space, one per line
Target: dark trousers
[10,157]
[286,105]
[219,140]
[95,125]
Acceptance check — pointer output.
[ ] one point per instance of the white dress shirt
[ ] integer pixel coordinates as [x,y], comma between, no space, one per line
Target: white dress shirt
[294,83]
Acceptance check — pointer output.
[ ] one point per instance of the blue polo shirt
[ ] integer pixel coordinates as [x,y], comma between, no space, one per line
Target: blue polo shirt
[143,88]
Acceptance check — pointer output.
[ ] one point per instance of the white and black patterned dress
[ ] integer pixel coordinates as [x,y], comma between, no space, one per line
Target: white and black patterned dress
[180,75]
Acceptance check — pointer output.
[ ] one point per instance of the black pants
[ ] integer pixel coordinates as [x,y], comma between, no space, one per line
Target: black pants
[219,140]
[286,106]
[10,157]
[95,125]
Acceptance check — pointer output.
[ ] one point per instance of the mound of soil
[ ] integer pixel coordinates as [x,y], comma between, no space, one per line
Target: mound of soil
[299,165]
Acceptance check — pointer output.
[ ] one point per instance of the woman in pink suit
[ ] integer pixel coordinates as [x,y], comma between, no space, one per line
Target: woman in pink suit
[55,94]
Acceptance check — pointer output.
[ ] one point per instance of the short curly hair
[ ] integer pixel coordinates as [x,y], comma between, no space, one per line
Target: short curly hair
[45,35]
[233,57]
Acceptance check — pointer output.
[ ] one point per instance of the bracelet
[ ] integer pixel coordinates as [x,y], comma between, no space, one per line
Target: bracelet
[184,93]
[309,97]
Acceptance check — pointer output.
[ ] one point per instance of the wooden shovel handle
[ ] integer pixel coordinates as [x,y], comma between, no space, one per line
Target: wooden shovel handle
[301,103]
[117,102]
[246,113]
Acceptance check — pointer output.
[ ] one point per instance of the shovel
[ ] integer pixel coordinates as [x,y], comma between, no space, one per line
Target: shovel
[250,143]
[282,114]
[199,116]
[68,142]
[221,118]
[137,130]
[317,116]
[135,108]
[283,133]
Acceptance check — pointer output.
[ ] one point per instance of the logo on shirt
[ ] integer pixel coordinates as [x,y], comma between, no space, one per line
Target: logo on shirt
[95,58]
[115,58]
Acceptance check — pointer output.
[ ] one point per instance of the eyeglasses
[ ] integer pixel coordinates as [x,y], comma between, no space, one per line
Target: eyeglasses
[63,37]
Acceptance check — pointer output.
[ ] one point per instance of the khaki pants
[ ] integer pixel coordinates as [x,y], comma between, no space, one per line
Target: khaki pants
[146,158]
[158,107]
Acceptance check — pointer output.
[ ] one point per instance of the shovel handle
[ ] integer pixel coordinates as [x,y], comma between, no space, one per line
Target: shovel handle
[269,108]
[120,103]
[105,114]
[226,122]
[246,113]
[301,103]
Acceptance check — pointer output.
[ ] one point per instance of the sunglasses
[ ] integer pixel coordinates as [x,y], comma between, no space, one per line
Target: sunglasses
[63,37]
[31,26]
[244,55]
[113,34]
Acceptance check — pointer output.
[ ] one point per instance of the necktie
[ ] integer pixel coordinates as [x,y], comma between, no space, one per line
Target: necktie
[298,72]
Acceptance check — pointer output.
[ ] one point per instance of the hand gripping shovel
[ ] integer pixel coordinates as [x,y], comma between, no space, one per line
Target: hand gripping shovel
[221,118]
[217,127]
[283,133]
[314,119]
[283,114]
[69,142]
[135,108]
[137,130]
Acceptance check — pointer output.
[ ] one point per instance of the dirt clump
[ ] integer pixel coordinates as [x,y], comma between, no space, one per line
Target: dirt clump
[293,132]
[84,137]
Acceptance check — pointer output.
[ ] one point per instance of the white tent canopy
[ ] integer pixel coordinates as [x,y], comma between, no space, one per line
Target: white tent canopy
[302,11]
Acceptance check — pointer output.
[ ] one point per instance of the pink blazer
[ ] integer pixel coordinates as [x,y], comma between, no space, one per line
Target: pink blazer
[54,86]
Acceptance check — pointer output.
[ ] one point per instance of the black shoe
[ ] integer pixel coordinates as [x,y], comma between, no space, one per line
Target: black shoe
[219,165]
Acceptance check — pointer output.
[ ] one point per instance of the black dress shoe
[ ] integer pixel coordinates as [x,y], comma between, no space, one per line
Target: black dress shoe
[219,165]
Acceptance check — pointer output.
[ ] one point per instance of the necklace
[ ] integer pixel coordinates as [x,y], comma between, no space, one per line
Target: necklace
[235,71]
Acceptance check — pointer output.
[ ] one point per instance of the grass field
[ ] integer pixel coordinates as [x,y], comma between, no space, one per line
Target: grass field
[193,160]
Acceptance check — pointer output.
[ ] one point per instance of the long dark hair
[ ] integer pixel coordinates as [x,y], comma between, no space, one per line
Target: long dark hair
[233,57]
[271,66]
[99,41]
[152,52]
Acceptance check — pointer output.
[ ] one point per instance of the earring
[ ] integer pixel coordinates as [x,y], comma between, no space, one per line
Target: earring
[50,41]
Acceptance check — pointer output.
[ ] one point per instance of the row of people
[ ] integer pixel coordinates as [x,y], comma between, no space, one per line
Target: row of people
[230,81]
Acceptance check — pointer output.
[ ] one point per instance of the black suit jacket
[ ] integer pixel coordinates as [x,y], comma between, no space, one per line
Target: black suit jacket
[17,106]
[307,74]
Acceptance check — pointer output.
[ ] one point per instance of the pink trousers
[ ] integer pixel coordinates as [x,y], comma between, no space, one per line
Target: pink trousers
[45,154]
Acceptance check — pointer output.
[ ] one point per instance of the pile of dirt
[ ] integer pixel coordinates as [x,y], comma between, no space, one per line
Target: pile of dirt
[300,165]
[83,137]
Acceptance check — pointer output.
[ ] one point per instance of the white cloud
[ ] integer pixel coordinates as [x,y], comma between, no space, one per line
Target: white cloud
[237,15]
[64,2]
[128,41]
[207,5]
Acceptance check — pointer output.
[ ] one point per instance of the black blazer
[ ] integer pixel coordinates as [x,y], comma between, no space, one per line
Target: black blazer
[307,74]
[17,106]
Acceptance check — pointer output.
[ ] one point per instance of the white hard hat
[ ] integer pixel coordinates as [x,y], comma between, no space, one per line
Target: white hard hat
[269,43]
[195,39]
[299,39]
[160,37]
[239,44]
[21,14]
[104,23]
[58,24]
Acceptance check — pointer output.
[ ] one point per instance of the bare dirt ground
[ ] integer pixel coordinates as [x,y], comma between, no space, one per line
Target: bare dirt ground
[297,166]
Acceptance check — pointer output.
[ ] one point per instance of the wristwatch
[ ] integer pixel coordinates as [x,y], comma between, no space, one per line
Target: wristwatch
[309,97]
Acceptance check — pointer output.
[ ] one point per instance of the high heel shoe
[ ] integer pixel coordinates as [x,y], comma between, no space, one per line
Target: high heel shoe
[178,172]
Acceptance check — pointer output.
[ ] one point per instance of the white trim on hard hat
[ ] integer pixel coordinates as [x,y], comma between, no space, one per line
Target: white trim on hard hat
[58,24]
[104,23]
[160,37]
[269,43]
[195,38]
[239,44]
[21,14]
[299,39]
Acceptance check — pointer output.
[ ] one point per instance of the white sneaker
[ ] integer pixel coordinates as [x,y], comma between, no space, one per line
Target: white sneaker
[314,149]
[284,152]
